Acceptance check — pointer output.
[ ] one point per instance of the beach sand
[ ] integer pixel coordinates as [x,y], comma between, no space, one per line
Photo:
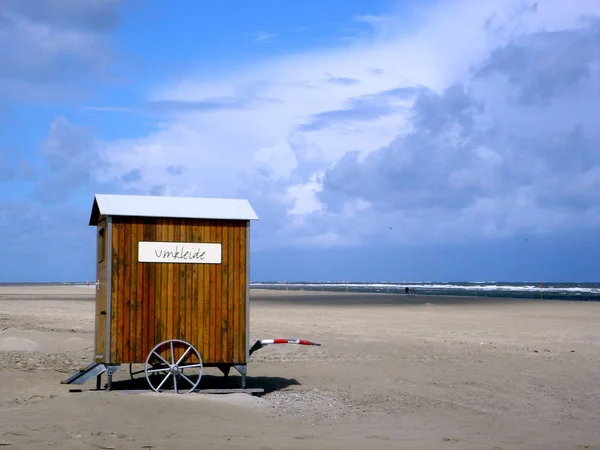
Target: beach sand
[393,371]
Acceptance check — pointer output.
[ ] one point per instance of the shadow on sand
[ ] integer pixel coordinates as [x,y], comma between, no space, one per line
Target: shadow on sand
[208,381]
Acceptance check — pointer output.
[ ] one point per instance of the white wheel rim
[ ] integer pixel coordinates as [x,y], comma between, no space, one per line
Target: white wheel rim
[172,369]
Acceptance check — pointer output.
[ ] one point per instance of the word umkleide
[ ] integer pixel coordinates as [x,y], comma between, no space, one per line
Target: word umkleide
[179,252]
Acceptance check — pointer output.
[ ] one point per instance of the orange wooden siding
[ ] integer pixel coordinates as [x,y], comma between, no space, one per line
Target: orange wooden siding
[101,294]
[203,304]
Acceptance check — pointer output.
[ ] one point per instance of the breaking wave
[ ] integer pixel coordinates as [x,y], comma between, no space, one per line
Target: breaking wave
[564,291]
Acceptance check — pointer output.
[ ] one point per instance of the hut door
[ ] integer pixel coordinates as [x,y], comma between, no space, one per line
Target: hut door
[101,279]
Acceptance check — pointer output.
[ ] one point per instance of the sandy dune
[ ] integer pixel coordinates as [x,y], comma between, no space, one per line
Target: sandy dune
[393,371]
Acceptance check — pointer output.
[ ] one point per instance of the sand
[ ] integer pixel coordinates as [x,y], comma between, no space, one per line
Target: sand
[393,371]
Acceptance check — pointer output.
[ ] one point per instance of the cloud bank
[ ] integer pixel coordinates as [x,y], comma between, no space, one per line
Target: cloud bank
[478,125]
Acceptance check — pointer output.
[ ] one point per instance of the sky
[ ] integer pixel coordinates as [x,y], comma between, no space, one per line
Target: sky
[380,140]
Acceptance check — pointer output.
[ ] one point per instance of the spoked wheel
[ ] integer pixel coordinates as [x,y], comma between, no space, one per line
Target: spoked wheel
[174,363]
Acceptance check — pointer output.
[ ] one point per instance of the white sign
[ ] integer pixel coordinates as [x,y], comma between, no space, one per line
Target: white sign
[179,252]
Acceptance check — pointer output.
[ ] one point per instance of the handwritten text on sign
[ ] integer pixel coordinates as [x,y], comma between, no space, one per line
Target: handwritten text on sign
[179,252]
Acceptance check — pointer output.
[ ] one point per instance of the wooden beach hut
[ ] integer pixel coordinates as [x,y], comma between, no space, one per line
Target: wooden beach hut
[172,288]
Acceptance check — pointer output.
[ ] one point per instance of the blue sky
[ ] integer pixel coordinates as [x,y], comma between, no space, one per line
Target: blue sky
[377,140]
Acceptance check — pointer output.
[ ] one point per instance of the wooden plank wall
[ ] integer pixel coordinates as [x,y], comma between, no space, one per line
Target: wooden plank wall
[203,304]
[101,297]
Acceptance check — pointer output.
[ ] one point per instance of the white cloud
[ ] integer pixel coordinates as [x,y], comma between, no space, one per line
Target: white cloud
[304,197]
[257,146]
[42,45]
[262,37]
[369,18]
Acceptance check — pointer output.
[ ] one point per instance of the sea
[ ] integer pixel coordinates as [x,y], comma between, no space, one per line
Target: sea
[524,290]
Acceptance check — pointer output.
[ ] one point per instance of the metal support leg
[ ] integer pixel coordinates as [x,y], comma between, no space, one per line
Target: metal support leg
[242,369]
[109,373]
[98,382]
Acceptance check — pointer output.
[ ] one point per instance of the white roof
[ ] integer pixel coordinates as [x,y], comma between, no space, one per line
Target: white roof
[174,207]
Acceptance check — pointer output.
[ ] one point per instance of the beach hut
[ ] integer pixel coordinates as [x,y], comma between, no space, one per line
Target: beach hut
[172,288]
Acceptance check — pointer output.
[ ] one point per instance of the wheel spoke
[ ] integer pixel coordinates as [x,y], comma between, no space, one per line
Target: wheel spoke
[172,354]
[175,381]
[188,380]
[164,369]
[161,358]
[183,356]
[163,381]
[190,366]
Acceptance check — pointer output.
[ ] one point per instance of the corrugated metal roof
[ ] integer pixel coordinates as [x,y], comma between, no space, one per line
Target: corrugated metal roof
[174,207]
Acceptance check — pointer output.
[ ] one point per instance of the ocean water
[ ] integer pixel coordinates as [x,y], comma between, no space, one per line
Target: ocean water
[525,290]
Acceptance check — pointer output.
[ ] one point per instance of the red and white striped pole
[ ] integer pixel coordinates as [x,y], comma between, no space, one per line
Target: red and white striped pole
[262,342]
